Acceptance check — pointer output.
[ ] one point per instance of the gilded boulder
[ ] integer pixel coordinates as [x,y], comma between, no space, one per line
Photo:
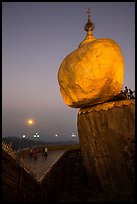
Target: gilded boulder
[92,74]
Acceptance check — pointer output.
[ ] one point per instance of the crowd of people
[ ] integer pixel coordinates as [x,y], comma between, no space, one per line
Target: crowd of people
[129,93]
[33,153]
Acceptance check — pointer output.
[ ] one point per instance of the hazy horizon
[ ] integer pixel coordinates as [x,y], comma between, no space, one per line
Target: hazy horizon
[71,139]
[36,37]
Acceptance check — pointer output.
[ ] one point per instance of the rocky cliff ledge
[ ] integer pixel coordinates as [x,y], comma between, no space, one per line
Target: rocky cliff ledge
[107,140]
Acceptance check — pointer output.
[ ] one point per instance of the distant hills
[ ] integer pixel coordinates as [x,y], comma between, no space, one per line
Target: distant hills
[20,143]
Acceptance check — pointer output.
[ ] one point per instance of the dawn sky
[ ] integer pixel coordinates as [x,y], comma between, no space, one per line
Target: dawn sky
[36,37]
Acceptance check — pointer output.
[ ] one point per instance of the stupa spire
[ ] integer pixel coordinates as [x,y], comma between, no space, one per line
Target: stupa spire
[88,27]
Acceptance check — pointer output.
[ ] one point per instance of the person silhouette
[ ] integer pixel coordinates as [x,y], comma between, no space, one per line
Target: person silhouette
[46,151]
[126,92]
[131,96]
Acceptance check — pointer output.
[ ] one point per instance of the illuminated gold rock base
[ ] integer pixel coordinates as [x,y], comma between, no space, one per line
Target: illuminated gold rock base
[92,74]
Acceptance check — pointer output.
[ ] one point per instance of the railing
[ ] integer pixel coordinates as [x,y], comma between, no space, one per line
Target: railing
[65,173]
[67,169]
[8,148]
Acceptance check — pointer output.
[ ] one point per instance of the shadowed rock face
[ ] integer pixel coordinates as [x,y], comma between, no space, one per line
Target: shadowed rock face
[107,139]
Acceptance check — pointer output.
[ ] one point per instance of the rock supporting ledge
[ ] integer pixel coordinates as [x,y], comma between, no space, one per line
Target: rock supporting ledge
[107,139]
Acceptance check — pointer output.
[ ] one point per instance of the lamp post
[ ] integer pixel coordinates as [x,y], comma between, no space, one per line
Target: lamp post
[73,135]
[36,136]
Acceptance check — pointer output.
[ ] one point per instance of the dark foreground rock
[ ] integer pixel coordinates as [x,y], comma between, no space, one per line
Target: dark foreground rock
[107,140]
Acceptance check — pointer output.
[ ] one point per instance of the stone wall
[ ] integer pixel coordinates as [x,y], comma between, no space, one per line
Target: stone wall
[107,140]
[17,183]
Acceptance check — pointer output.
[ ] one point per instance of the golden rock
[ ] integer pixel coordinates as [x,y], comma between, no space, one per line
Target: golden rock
[93,73]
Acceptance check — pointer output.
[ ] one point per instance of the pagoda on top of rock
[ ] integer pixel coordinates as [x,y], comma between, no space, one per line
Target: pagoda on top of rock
[91,78]
[93,73]
[88,27]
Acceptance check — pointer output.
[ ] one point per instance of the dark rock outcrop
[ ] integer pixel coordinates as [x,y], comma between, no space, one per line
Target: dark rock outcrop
[107,140]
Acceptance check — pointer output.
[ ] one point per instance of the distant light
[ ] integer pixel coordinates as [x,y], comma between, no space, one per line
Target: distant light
[56,135]
[30,122]
[36,135]
[23,135]
[73,135]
